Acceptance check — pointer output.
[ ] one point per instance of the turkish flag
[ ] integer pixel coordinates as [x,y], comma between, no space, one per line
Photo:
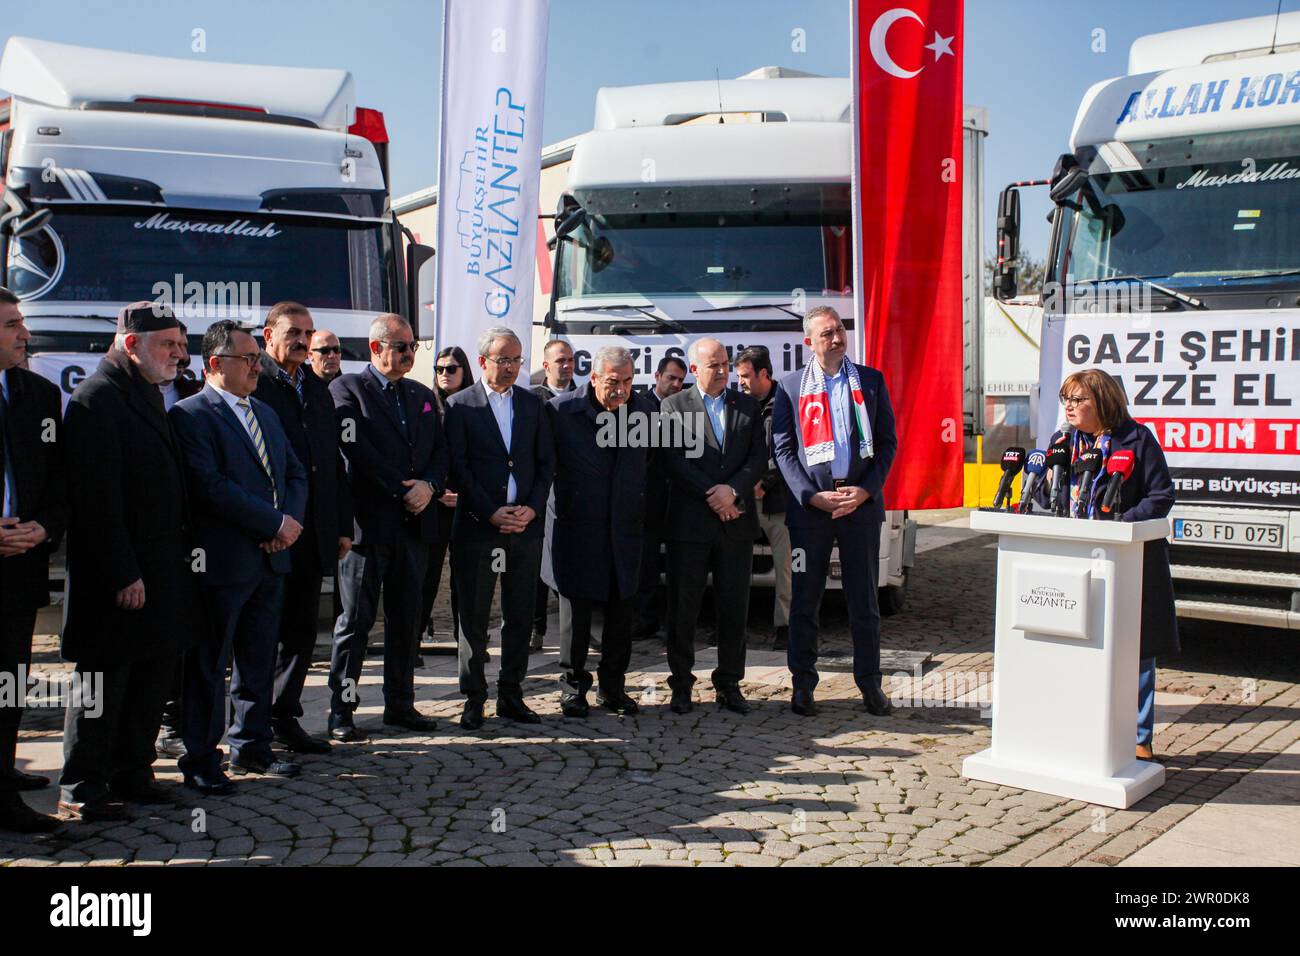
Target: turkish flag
[908,207]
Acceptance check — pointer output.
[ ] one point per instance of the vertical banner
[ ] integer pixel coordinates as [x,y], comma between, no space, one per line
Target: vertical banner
[907,75]
[489,167]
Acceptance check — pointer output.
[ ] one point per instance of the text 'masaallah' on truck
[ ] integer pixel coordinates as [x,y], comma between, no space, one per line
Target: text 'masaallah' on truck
[1174,265]
[216,188]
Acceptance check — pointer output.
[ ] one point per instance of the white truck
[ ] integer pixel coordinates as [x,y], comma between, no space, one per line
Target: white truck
[219,188]
[723,208]
[1174,265]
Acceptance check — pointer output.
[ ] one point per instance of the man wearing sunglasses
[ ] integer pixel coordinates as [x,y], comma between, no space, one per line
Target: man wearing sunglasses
[325,355]
[391,436]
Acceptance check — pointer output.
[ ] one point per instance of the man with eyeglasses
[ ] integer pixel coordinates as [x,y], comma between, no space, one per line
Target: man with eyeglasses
[249,495]
[393,441]
[502,463]
[325,355]
[557,365]
[306,411]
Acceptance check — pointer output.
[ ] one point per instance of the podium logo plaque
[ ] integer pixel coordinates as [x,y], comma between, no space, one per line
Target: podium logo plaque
[1052,602]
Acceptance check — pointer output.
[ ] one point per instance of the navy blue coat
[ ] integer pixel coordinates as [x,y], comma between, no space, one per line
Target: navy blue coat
[381,455]
[481,465]
[802,481]
[230,492]
[595,518]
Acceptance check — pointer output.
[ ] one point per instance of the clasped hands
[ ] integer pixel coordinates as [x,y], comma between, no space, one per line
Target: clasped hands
[512,519]
[18,537]
[840,502]
[723,502]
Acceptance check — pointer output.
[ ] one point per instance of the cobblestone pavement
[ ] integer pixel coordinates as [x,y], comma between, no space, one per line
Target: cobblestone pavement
[712,788]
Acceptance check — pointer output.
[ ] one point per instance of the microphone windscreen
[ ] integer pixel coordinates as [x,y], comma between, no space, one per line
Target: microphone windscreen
[1058,457]
[1013,459]
[1036,462]
[1089,461]
[1121,462]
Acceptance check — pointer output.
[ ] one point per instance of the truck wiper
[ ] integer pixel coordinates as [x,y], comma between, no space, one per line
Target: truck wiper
[782,306]
[666,324]
[1261,275]
[1146,280]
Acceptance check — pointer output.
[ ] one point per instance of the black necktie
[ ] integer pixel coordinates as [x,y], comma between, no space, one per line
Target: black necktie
[395,396]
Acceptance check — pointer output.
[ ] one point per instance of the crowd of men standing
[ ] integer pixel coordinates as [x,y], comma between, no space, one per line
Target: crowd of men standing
[214,510]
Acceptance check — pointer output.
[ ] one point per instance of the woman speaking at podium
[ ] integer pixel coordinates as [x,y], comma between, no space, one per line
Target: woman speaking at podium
[1097,410]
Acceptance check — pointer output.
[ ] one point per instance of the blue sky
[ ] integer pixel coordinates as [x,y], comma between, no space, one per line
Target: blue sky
[1028,62]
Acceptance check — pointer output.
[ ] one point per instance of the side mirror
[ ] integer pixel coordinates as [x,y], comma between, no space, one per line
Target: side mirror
[1008,236]
[419,284]
[1069,184]
[568,216]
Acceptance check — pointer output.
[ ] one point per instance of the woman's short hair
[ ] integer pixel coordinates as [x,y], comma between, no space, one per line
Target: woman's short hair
[1108,399]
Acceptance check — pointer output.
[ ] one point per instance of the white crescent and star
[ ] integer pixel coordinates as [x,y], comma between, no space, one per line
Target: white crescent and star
[810,415]
[941,47]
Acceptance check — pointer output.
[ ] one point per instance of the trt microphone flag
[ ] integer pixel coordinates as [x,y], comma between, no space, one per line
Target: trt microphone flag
[907,184]
[489,167]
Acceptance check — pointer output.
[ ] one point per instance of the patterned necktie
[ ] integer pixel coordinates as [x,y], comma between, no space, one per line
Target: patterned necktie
[255,431]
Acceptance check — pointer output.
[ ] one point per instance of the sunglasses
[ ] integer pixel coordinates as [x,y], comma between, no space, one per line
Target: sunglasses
[447,369]
[329,350]
[401,348]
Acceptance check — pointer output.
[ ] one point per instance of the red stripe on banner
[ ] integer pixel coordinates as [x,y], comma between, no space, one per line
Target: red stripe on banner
[1226,436]
[908,115]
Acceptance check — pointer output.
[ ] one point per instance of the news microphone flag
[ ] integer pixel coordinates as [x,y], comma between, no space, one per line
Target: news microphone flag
[1013,459]
[489,168]
[1118,466]
[1058,464]
[1087,466]
[907,216]
[1035,466]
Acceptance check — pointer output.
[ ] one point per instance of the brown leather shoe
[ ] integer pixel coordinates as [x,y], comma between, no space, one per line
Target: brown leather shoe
[1144,752]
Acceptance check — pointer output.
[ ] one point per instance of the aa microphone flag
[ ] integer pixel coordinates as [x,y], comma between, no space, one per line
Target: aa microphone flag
[489,167]
[907,82]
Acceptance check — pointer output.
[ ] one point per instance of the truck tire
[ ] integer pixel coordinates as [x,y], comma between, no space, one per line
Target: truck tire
[892,597]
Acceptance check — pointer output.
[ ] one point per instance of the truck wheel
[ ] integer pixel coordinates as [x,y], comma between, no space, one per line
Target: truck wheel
[892,597]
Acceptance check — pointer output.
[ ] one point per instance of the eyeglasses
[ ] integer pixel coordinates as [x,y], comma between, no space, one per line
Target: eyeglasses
[1074,400]
[505,362]
[329,350]
[446,369]
[401,348]
[251,360]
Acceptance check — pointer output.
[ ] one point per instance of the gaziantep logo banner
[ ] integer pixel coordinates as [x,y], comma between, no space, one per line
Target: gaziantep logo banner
[489,167]
[908,209]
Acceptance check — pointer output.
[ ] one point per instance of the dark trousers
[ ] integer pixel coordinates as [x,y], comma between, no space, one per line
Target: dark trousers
[477,563]
[397,570]
[540,606]
[171,714]
[245,627]
[15,654]
[650,599]
[297,630]
[575,643]
[433,574]
[689,565]
[108,739]
[859,546]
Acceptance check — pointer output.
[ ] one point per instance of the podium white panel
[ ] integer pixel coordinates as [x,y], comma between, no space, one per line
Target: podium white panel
[1065,661]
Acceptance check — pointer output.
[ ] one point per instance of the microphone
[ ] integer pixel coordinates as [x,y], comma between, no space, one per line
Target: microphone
[1058,465]
[1013,459]
[1087,466]
[1035,466]
[1119,466]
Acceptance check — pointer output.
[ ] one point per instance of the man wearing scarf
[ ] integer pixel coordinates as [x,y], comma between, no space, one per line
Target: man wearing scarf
[833,438]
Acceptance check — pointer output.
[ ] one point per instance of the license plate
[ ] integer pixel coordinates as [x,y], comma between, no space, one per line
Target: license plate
[1229,534]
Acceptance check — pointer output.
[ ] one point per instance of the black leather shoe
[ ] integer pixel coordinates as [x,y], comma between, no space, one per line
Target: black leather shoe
[345,731]
[617,701]
[802,703]
[514,708]
[93,811]
[256,766]
[17,780]
[782,641]
[574,706]
[217,785]
[874,699]
[18,817]
[681,702]
[730,698]
[410,720]
[471,718]
[150,794]
[295,739]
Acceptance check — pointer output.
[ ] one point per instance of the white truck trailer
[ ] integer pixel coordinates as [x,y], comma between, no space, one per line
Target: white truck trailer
[1174,265]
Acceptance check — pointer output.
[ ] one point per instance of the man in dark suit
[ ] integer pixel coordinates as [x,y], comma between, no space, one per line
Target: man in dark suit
[131,587]
[306,410]
[249,494]
[833,436]
[397,460]
[710,525]
[33,511]
[670,376]
[557,366]
[502,463]
[594,526]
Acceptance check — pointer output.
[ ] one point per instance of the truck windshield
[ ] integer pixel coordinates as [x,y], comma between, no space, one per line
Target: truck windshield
[122,254]
[1199,223]
[705,253]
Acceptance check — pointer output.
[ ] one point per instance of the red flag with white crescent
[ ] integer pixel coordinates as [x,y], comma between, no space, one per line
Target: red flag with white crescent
[908,211]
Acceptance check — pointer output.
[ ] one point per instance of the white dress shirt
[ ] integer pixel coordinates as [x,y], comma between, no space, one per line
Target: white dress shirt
[503,410]
[233,401]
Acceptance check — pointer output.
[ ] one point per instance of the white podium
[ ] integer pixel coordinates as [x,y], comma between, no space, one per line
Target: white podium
[1065,658]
